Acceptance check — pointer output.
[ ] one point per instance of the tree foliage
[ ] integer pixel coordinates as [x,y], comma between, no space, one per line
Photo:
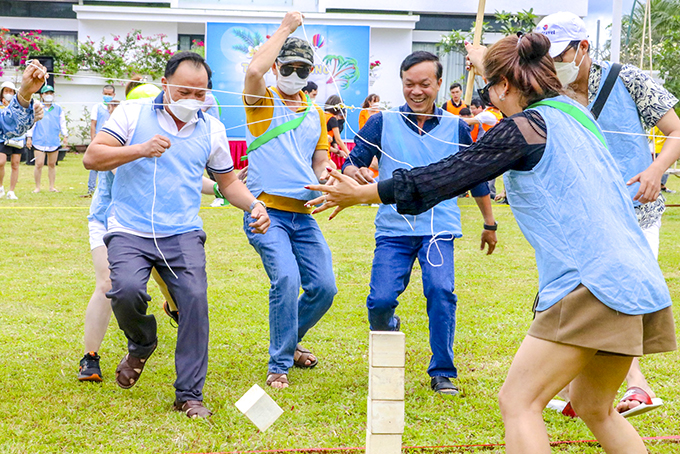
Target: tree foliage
[126,55]
[510,23]
[665,18]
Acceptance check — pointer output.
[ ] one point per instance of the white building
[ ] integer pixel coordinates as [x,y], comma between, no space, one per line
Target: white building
[397,27]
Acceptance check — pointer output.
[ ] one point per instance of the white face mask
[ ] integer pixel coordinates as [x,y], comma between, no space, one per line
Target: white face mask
[48,98]
[291,84]
[568,72]
[184,109]
[8,97]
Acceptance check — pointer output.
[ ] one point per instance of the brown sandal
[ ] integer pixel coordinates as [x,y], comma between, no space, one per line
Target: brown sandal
[305,354]
[277,378]
[129,369]
[192,408]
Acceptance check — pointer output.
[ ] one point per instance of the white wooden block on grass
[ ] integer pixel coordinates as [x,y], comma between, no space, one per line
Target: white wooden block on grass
[385,417]
[386,383]
[383,444]
[259,408]
[387,349]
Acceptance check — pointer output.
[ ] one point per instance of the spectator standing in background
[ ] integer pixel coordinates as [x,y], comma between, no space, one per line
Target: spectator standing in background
[211,106]
[311,89]
[370,107]
[11,149]
[46,137]
[484,119]
[454,104]
[22,112]
[98,116]
[335,123]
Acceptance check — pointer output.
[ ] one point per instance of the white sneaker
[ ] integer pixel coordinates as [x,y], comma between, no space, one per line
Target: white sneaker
[2,192]
[12,196]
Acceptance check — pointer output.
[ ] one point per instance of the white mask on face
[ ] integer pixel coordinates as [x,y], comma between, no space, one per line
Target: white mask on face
[48,98]
[568,72]
[8,97]
[291,84]
[184,109]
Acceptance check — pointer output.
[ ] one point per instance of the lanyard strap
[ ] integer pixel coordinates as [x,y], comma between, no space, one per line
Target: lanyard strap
[277,131]
[576,113]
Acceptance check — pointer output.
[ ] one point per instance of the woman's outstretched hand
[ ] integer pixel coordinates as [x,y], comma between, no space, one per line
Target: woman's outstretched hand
[341,192]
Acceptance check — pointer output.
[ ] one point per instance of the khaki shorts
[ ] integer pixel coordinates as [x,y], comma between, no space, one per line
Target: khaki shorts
[582,320]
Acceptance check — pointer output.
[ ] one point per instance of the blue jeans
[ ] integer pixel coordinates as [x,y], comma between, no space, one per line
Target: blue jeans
[92,181]
[392,264]
[294,253]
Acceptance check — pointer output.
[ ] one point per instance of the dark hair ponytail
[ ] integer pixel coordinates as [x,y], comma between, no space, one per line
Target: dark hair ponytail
[531,48]
[525,63]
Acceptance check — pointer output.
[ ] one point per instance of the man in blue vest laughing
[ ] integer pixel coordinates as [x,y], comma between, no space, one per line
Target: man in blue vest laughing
[417,134]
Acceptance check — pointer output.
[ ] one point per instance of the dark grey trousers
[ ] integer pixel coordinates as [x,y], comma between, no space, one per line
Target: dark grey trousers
[130,261]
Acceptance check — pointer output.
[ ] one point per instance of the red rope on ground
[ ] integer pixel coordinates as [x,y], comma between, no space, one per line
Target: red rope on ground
[674,438]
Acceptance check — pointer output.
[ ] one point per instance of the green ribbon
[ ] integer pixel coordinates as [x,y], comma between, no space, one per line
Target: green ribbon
[576,113]
[280,129]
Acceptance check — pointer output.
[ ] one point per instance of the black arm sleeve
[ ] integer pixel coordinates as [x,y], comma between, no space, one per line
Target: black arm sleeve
[502,148]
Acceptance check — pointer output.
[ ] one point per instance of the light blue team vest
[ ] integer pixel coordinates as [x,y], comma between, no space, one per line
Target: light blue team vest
[101,199]
[47,130]
[631,152]
[283,166]
[575,211]
[102,117]
[406,145]
[178,180]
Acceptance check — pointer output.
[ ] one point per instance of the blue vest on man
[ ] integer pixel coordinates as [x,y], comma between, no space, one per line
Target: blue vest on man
[579,179]
[102,116]
[178,179]
[401,143]
[630,151]
[47,130]
[283,165]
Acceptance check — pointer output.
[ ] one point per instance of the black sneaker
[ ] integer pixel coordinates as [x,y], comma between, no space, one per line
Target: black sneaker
[89,368]
[172,314]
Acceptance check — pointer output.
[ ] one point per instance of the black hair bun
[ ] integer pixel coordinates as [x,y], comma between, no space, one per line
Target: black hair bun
[532,47]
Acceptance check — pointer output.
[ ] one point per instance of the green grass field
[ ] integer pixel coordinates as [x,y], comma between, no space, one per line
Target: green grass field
[46,279]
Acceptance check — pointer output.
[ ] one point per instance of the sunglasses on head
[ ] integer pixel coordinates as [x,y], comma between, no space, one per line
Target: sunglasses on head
[302,72]
[484,94]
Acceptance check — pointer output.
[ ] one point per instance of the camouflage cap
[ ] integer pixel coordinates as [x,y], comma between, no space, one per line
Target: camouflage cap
[296,50]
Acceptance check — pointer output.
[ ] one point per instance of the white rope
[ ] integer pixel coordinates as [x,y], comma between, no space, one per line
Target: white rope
[153,229]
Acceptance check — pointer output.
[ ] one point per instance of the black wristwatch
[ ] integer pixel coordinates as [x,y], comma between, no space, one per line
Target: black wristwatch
[493,227]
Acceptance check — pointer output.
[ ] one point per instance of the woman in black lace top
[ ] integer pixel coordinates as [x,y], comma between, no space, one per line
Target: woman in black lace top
[570,202]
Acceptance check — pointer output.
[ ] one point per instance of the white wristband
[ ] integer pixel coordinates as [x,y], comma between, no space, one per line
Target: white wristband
[255,202]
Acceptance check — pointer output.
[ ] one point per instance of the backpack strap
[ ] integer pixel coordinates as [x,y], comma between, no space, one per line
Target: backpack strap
[576,113]
[602,97]
[277,131]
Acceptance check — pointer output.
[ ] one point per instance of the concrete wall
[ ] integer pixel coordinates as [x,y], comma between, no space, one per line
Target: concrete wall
[96,29]
[541,8]
[390,47]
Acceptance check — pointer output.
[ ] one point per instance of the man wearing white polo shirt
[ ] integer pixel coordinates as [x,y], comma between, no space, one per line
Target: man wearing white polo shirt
[160,148]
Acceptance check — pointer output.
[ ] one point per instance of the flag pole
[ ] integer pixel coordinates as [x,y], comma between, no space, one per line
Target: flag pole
[479,21]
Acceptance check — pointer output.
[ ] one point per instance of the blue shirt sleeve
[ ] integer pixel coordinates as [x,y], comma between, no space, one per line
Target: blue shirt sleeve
[464,133]
[368,143]
[464,138]
[15,120]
